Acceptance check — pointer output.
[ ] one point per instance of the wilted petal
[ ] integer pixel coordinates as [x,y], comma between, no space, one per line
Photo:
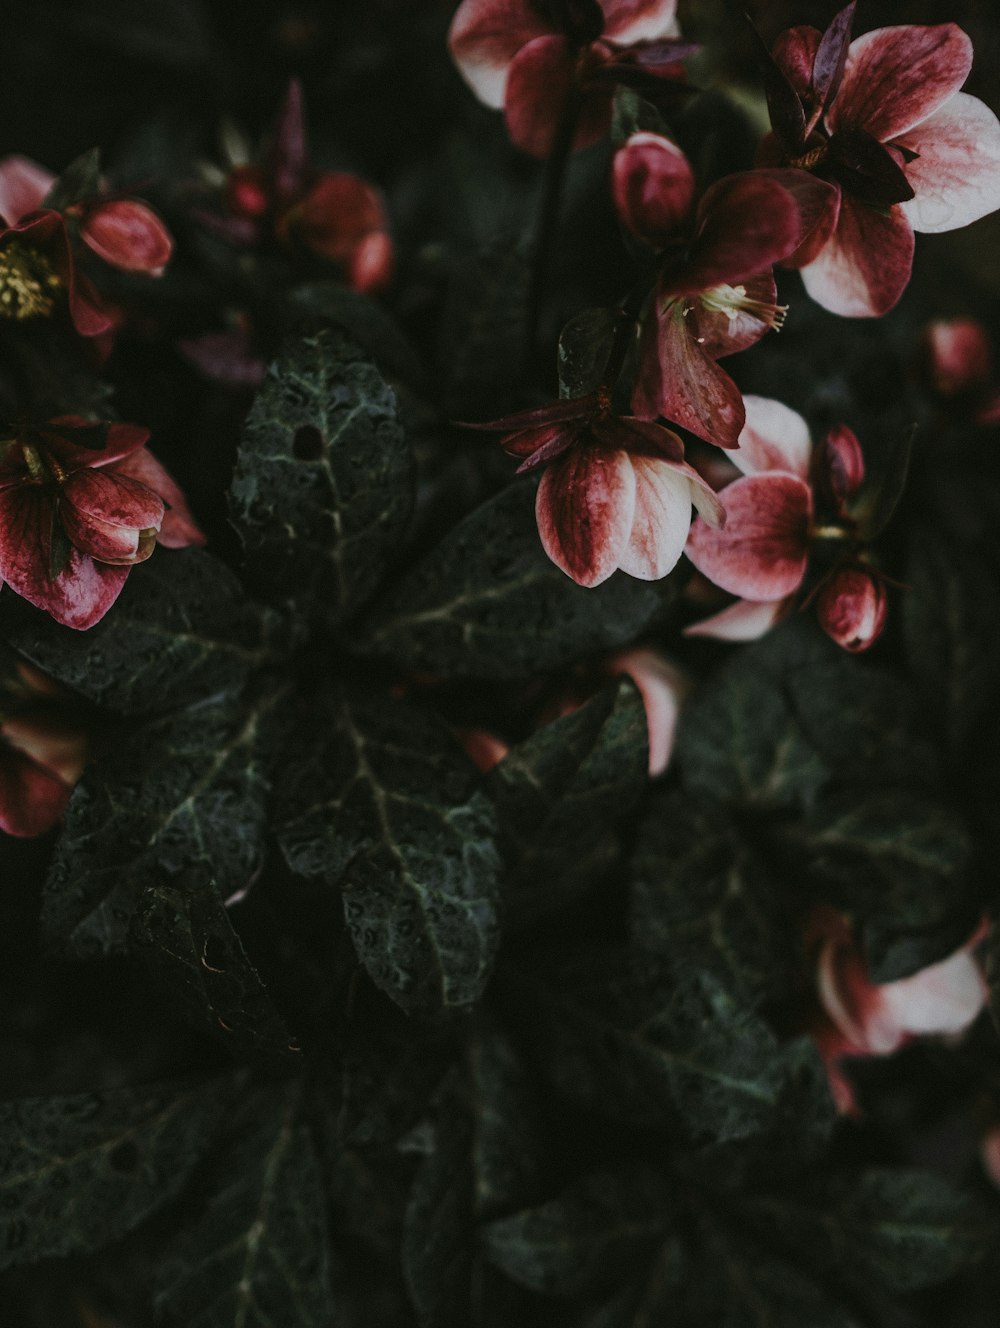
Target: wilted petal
[762,550]
[661,522]
[128,235]
[631,21]
[32,799]
[896,77]
[943,998]
[956,174]
[746,620]
[585,508]
[775,437]
[852,608]
[865,267]
[484,37]
[541,79]
[653,188]
[23,186]
[662,687]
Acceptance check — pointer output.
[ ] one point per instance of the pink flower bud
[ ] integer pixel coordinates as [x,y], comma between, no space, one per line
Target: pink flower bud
[852,608]
[128,235]
[957,356]
[246,192]
[840,464]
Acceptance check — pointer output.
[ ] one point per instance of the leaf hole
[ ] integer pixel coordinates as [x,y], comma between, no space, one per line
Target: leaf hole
[307,445]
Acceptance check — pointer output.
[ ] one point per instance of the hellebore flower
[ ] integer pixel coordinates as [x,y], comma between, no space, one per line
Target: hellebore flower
[617,492]
[333,214]
[763,552]
[42,755]
[537,59]
[883,120]
[36,253]
[715,294]
[862,1018]
[80,504]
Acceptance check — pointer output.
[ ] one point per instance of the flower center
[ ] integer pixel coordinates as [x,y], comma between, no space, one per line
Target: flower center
[811,158]
[734,300]
[29,283]
[42,470]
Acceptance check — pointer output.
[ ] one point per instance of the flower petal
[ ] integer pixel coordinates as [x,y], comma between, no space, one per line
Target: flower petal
[957,355]
[585,508]
[541,78]
[23,186]
[762,551]
[662,687]
[794,52]
[775,437]
[128,235]
[32,799]
[852,608]
[943,998]
[113,498]
[653,188]
[956,174]
[895,77]
[120,440]
[661,522]
[178,529]
[818,202]
[746,620]
[866,265]
[484,37]
[631,21]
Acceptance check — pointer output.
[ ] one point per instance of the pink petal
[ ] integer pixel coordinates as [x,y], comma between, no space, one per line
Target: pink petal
[371,266]
[896,77]
[541,78]
[956,175]
[747,223]
[102,541]
[128,235]
[724,332]
[662,688]
[840,464]
[958,356]
[794,53]
[865,267]
[62,750]
[32,800]
[852,609]
[944,998]
[179,528]
[853,1002]
[23,186]
[818,202]
[762,551]
[653,188]
[631,21]
[82,592]
[484,749]
[775,437]
[484,37]
[585,508]
[679,380]
[113,498]
[661,522]
[746,620]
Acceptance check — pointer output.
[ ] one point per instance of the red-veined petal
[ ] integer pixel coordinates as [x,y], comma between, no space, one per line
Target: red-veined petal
[661,521]
[956,175]
[585,508]
[762,550]
[542,77]
[865,267]
[653,188]
[484,37]
[128,235]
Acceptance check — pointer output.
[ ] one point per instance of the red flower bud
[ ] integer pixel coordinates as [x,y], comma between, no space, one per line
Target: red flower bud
[128,235]
[852,608]
[246,192]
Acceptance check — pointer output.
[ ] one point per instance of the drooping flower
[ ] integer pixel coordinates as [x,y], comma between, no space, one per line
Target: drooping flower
[80,504]
[42,754]
[716,293]
[537,59]
[883,120]
[37,262]
[617,492]
[281,196]
[790,503]
[861,1018]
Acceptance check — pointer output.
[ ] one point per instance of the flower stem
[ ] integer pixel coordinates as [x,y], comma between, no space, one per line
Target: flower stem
[548,216]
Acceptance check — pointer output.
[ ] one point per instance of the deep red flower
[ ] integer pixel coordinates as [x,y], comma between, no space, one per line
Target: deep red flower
[882,119]
[332,213]
[617,492]
[532,58]
[80,504]
[716,293]
[764,550]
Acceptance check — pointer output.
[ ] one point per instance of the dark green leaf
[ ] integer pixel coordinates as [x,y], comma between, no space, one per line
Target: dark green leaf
[481,343]
[488,603]
[79,182]
[183,934]
[181,626]
[878,505]
[322,491]
[561,792]
[178,792]
[257,1255]
[703,897]
[584,348]
[362,319]
[381,802]
[80,1171]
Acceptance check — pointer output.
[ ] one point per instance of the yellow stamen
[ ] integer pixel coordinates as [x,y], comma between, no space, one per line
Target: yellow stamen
[29,283]
[733,301]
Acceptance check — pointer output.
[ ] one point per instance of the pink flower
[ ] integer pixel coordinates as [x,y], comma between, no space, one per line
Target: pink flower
[534,58]
[617,492]
[42,755]
[771,531]
[715,294]
[662,687]
[332,213]
[884,121]
[80,504]
[863,1018]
